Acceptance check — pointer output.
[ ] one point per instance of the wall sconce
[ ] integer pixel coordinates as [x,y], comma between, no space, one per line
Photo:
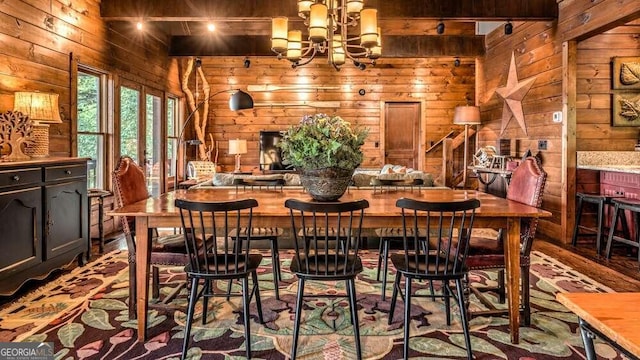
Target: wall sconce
[237,147]
[43,110]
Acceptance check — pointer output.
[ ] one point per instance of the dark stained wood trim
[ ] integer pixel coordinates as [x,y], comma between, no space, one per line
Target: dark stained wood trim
[568,186]
[393,46]
[180,10]
[579,20]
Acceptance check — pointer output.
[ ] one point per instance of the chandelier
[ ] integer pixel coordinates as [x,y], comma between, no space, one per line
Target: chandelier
[328,22]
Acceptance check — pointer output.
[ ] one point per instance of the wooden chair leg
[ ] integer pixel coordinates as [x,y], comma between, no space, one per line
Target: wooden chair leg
[296,323]
[193,297]
[351,285]
[247,317]
[155,283]
[132,290]
[526,304]
[463,319]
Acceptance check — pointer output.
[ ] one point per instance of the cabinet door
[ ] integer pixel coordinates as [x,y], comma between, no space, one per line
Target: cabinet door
[65,218]
[20,230]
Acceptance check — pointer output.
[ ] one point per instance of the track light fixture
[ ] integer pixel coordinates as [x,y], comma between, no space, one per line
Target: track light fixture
[508,28]
[247,63]
[440,28]
[359,65]
[198,62]
[456,62]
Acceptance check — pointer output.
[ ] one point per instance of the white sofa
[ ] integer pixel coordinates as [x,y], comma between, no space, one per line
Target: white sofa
[362,178]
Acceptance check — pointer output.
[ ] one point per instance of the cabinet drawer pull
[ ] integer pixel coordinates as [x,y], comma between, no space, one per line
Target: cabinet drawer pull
[15,178]
[68,172]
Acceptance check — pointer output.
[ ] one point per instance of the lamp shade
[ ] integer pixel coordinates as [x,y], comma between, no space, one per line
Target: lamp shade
[41,107]
[240,100]
[237,147]
[467,115]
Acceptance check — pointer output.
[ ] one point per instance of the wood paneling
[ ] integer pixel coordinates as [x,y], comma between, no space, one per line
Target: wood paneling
[593,104]
[538,53]
[41,37]
[260,45]
[178,10]
[435,82]
[538,50]
[579,20]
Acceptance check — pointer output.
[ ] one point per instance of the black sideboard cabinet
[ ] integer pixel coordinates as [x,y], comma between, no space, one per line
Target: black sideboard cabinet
[43,218]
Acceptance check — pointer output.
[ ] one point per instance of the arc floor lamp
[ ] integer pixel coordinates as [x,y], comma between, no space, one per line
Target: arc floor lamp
[239,100]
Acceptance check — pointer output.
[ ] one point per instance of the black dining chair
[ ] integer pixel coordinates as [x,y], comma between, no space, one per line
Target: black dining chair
[436,258]
[214,256]
[267,233]
[322,255]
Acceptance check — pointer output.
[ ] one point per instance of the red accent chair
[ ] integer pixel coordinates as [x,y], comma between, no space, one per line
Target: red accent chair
[527,187]
[130,186]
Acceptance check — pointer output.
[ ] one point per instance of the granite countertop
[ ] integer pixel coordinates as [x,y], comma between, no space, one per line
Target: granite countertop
[618,161]
[630,169]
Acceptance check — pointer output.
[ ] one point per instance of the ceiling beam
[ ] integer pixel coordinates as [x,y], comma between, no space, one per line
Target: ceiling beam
[203,10]
[579,20]
[394,46]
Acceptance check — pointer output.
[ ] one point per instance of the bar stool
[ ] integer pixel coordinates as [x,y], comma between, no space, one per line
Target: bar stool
[600,200]
[622,205]
[100,195]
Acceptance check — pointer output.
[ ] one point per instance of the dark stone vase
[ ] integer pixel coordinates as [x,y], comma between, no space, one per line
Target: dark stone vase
[327,184]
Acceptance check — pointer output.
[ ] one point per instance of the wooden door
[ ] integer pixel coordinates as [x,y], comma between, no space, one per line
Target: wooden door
[402,133]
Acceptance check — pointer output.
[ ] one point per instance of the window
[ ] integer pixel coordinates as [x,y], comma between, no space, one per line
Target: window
[129,123]
[172,136]
[91,126]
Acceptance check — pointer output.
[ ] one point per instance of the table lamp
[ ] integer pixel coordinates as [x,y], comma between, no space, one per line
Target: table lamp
[466,115]
[43,110]
[237,147]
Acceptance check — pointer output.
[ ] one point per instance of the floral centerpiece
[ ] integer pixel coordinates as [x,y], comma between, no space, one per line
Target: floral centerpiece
[325,149]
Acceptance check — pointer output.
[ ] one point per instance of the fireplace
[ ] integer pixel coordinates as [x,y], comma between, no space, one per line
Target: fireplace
[270,154]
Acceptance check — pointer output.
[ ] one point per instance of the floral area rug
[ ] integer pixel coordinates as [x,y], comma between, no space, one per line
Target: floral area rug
[84,313]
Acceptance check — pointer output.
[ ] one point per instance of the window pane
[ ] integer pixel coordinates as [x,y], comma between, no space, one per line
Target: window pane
[129,114]
[90,129]
[171,140]
[88,103]
[152,139]
[91,146]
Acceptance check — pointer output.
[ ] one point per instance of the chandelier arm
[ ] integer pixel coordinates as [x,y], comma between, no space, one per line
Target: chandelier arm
[308,60]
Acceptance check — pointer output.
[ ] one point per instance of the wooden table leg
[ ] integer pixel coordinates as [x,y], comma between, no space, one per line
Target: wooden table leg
[142,274]
[512,260]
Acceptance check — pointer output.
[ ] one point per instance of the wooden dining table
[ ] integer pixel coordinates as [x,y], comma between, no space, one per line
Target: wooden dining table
[494,212]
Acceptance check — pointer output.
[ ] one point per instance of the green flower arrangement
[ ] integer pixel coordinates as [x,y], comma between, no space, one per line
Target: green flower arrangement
[323,141]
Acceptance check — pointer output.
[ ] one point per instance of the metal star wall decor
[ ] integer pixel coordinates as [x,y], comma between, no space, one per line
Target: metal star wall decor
[513,93]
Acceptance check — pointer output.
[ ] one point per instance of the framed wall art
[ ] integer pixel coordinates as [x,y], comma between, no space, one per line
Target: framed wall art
[626,109]
[626,73]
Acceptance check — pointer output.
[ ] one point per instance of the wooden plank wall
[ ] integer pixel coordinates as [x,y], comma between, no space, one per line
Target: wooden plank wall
[594,130]
[538,54]
[40,37]
[437,83]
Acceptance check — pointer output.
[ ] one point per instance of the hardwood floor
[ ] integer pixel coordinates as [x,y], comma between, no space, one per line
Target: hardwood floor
[621,272]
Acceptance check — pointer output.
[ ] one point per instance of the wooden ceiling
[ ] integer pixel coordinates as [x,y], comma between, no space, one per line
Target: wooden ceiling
[243,26]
